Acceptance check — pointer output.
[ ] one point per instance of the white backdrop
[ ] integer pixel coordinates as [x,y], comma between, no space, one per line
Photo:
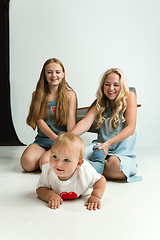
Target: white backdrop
[88,36]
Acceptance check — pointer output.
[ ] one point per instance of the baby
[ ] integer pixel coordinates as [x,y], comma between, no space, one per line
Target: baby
[68,175]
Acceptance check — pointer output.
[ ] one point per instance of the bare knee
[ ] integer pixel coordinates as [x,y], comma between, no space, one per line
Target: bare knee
[30,157]
[113,164]
[111,169]
[25,163]
[28,163]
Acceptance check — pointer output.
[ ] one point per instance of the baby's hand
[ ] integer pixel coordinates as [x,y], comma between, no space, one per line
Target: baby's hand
[55,201]
[93,203]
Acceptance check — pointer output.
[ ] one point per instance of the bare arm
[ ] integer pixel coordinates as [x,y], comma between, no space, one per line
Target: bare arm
[85,124]
[72,110]
[130,123]
[94,200]
[46,129]
[71,118]
[49,196]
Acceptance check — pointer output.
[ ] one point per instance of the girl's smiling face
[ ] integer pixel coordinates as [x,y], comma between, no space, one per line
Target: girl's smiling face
[112,86]
[54,74]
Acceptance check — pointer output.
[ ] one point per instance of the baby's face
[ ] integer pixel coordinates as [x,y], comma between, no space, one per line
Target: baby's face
[63,162]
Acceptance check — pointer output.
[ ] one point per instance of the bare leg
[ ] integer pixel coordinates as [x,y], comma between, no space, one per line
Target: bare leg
[111,169]
[44,158]
[30,157]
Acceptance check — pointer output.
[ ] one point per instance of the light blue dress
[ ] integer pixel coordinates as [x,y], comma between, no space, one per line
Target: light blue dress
[41,139]
[124,150]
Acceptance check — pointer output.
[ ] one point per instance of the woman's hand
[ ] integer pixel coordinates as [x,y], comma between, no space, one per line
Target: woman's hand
[105,146]
[46,129]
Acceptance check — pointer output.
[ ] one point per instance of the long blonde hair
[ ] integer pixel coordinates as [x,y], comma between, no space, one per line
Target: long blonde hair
[39,103]
[120,101]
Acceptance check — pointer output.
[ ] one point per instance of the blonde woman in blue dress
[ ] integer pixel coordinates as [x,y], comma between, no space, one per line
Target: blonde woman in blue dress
[115,111]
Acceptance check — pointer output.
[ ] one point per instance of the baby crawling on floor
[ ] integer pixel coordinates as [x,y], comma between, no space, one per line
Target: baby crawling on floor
[68,175]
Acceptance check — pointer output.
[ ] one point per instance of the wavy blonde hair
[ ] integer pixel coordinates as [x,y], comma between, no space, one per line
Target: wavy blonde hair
[39,103]
[120,101]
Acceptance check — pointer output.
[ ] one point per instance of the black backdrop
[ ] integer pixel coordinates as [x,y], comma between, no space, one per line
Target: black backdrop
[8,136]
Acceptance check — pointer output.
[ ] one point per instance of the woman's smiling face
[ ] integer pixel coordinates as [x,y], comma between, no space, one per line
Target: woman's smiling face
[112,86]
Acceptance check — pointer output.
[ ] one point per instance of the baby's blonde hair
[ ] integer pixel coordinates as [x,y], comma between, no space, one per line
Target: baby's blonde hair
[71,142]
[120,101]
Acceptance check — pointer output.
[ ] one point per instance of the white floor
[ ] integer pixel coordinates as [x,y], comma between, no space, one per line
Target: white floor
[129,211]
